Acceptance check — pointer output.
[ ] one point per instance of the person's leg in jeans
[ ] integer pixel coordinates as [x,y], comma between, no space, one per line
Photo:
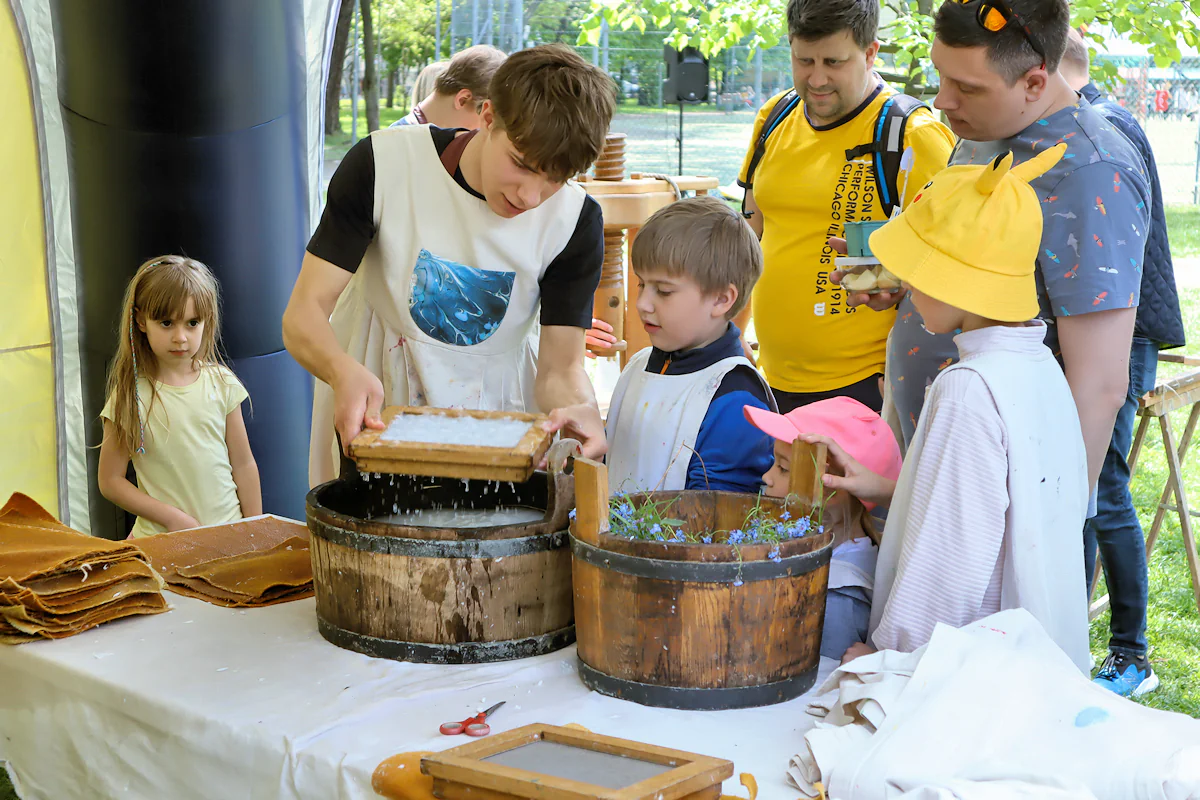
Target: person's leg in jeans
[1116,532]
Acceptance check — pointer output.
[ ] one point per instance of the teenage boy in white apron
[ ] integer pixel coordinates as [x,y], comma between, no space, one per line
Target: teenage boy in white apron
[423,282]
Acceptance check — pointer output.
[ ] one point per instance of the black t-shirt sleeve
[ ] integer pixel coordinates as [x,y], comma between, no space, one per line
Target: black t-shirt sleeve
[569,284]
[742,379]
[348,223]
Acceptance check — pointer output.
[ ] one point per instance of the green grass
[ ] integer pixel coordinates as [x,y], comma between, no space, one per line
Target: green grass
[337,144]
[1183,223]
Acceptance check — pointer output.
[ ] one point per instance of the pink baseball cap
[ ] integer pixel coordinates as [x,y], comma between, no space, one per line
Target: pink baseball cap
[857,429]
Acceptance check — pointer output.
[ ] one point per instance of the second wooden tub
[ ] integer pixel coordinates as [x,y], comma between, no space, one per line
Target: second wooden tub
[691,626]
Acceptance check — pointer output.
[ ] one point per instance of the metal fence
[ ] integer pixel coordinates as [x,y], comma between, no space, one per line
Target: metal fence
[711,138]
[704,139]
[1166,101]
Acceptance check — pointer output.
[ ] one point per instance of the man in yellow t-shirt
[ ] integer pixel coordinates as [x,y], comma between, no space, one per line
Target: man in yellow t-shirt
[805,188]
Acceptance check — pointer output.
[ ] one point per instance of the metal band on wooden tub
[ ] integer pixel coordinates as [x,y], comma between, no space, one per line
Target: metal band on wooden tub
[436,548]
[690,699]
[461,653]
[700,571]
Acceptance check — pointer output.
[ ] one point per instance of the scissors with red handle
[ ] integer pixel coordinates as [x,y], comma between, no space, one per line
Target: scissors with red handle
[472,726]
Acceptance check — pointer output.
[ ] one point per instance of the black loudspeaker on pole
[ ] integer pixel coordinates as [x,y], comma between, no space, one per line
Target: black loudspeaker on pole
[686,82]
[186,130]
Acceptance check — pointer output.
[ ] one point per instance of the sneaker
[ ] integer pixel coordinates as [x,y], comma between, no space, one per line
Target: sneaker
[1126,676]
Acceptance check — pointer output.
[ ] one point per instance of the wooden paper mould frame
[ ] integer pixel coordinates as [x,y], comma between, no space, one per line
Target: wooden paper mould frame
[461,774]
[480,462]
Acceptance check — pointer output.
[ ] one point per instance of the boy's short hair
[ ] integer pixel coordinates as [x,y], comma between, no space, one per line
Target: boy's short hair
[471,69]
[555,108]
[426,80]
[705,240]
[1076,53]
[1009,52]
[811,20]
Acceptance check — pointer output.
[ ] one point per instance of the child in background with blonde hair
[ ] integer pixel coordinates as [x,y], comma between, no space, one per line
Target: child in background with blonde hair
[174,408]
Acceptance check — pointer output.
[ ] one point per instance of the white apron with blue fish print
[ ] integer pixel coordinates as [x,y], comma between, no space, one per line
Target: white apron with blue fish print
[444,307]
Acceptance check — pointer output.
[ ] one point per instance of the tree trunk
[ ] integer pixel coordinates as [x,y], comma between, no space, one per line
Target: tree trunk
[407,76]
[333,87]
[391,87]
[370,74]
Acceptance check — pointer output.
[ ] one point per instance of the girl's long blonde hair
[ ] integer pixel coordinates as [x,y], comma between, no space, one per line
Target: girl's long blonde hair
[159,290]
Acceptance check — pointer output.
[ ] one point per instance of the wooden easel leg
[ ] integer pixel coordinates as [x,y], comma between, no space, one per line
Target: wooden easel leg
[1165,499]
[1175,482]
[1136,449]
[1096,582]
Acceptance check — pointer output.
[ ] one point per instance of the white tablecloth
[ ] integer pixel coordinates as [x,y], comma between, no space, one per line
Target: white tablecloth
[205,702]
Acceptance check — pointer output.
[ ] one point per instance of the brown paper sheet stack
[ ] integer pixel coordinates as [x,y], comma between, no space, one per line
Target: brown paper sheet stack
[253,562]
[56,582]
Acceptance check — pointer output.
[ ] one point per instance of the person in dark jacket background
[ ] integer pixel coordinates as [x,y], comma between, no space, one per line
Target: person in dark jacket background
[1115,529]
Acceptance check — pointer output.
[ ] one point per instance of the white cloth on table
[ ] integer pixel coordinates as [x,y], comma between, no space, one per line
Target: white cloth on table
[207,702]
[996,790]
[991,710]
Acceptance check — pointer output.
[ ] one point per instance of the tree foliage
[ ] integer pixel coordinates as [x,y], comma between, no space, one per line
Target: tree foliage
[906,26]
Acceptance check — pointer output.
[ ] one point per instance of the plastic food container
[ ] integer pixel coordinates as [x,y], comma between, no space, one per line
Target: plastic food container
[865,275]
[858,235]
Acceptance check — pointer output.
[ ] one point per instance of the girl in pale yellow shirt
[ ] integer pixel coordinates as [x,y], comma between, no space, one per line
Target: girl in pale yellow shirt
[174,408]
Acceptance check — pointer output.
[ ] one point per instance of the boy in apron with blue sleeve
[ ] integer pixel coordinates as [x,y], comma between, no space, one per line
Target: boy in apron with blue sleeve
[676,420]
[456,268]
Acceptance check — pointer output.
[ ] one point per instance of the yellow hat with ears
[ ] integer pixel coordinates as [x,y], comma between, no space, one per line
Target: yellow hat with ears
[970,238]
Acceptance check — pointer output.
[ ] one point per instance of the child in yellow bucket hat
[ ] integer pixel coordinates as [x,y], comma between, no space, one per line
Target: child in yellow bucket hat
[987,512]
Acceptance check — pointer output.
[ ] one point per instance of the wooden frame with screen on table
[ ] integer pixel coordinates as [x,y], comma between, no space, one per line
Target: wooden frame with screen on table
[480,462]
[470,772]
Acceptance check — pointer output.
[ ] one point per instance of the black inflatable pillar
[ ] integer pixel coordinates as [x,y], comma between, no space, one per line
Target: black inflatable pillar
[186,125]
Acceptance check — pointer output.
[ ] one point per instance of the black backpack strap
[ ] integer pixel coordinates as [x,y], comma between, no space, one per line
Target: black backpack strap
[783,106]
[887,147]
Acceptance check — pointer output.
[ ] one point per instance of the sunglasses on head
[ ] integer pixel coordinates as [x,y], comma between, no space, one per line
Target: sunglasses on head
[996,15]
